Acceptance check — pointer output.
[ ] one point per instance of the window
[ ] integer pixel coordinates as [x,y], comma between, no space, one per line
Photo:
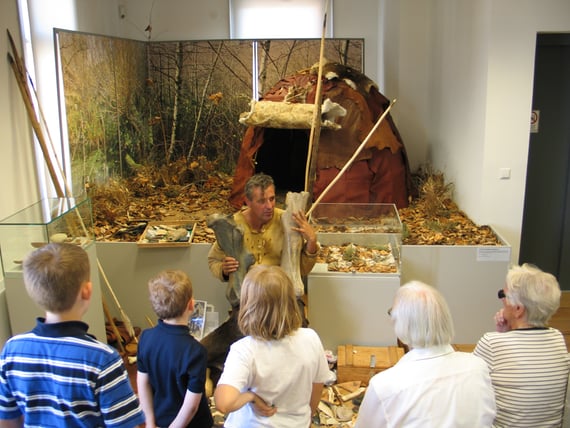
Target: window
[279,19]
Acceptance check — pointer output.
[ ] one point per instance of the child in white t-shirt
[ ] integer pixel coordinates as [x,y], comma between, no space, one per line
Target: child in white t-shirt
[274,375]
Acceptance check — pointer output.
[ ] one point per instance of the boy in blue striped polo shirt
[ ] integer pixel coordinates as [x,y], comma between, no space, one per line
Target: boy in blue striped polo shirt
[57,374]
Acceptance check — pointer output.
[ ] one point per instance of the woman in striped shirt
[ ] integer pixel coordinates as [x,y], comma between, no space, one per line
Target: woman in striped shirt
[528,360]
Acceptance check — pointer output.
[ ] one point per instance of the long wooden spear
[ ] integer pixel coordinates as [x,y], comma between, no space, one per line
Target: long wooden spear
[124,317]
[31,99]
[311,166]
[114,328]
[349,162]
[35,100]
[19,71]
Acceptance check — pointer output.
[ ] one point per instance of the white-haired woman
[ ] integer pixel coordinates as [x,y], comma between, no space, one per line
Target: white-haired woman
[432,385]
[527,359]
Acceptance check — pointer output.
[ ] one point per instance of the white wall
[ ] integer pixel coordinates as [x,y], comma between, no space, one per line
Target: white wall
[17,171]
[463,75]
[359,19]
[512,43]
[173,19]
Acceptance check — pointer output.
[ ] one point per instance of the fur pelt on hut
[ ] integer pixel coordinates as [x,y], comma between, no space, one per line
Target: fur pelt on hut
[380,173]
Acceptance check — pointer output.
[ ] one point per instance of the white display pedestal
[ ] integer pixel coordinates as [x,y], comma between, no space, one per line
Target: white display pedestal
[23,312]
[129,267]
[351,308]
[468,276]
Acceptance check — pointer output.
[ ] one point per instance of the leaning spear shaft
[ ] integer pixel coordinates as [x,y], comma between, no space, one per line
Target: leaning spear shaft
[315,134]
[124,317]
[36,126]
[349,162]
[22,78]
[33,96]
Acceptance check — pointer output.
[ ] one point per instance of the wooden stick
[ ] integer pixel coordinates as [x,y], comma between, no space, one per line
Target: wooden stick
[315,134]
[19,61]
[349,162]
[113,325]
[27,78]
[337,395]
[36,125]
[22,78]
[149,321]
[124,317]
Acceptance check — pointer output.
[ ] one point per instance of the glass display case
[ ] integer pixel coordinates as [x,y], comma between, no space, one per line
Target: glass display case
[358,238]
[356,274]
[49,220]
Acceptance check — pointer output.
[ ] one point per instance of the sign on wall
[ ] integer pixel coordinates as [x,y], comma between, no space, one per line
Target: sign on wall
[534,119]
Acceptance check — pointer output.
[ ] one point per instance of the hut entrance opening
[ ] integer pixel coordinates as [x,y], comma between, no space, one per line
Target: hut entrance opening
[283,156]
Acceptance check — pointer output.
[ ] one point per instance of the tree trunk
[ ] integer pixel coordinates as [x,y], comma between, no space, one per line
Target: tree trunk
[177,89]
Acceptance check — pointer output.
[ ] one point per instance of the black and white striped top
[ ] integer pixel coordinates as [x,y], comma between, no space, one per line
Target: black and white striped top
[529,370]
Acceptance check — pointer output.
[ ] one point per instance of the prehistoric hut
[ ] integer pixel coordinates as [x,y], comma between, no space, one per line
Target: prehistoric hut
[277,144]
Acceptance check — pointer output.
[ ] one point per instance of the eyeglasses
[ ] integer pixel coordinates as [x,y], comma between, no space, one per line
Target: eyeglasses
[501,294]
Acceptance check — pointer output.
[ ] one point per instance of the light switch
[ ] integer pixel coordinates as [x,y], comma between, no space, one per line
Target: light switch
[504,173]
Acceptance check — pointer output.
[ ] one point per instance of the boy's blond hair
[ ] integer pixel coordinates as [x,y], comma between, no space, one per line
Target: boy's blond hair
[54,274]
[170,291]
[268,306]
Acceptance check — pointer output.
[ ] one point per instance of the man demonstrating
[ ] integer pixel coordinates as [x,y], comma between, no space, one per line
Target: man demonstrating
[263,232]
[263,237]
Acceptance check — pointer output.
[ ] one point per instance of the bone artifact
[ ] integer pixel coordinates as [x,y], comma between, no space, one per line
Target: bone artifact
[292,240]
[230,239]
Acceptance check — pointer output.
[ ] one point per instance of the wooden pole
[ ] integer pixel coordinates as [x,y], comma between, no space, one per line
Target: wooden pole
[36,125]
[22,77]
[31,91]
[124,317]
[113,326]
[149,321]
[27,78]
[311,166]
[349,162]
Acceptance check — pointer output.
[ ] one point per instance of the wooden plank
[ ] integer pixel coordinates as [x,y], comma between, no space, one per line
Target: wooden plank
[464,347]
[360,363]
[349,353]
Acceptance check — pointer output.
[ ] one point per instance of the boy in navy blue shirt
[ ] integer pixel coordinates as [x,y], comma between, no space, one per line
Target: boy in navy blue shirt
[171,364]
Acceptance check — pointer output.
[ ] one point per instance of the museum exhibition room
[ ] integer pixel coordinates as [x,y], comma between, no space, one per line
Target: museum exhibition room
[404,140]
